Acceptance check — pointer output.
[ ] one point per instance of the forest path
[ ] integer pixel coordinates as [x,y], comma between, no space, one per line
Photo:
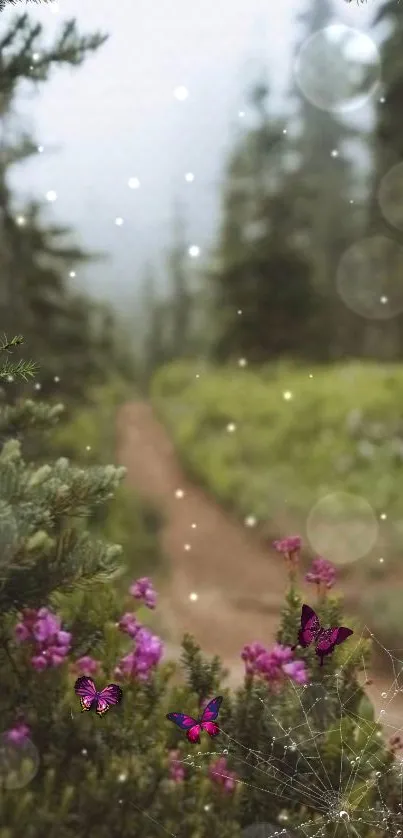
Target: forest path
[239,582]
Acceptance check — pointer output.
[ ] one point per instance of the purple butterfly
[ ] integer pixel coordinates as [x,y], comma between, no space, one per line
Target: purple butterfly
[325,639]
[91,699]
[194,727]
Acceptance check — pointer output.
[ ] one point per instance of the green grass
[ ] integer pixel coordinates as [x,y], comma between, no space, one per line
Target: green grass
[342,430]
[88,438]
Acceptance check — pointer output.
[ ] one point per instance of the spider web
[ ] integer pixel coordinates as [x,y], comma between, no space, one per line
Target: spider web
[316,800]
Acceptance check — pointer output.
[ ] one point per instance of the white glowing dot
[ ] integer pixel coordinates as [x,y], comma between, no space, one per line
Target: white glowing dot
[72,274]
[351,201]
[207,807]
[41,148]
[193,597]
[122,778]
[383,516]
[133,183]
[384,300]
[189,177]
[118,221]
[179,493]
[250,521]
[194,526]
[310,375]
[287,395]
[51,195]
[239,311]
[187,547]
[197,375]
[242,362]
[56,379]
[381,560]
[284,130]
[382,100]
[38,386]
[194,251]
[20,220]
[231,427]
[84,752]
[334,153]
[241,114]
[10,378]
[181,93]
[88,447]
[35,56]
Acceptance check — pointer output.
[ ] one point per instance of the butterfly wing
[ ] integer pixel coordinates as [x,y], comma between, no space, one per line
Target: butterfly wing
[310,626]
[183,721]
[329,638]
[108,697]
[193,734]
[210,712]
[86,690]
[211,728]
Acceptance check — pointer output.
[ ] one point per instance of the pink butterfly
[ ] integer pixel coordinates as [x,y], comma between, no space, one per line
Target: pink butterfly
[325,639]
[92,699]
[194,727]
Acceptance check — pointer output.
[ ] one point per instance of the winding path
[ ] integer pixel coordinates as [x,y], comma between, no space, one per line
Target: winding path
[239,582]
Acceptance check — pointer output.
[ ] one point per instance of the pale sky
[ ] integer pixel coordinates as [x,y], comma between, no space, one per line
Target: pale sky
[116,117]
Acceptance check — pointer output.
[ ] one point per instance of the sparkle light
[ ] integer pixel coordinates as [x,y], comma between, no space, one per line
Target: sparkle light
[242,362]
[250,521]
[384,300]
[381,560]
[181,93]
[334,153]
[187,547]
[284,130]
[41,148]
[231,427]
[20,220]
[72,274]
[179,493]
[133,183]
[122,777]
[383,516]
[287,395]
[194,251]
[118,221]
[35,56]
[56,379]
[194,526]
[241,114]
[382,100]
[88,447]
[51,195]
[193,597]
[38,386]
[239,311]
[189,177]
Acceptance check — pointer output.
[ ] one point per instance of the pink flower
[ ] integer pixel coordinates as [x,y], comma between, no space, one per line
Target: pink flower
[322,573]
[18,734]
[176,768]
[145,656]
[288,546]
[86,665]
[273,665]
[42,629]
[129,624]
[143,590]
[222,776]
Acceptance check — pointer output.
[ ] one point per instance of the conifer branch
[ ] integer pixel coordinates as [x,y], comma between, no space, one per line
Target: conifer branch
[21,369]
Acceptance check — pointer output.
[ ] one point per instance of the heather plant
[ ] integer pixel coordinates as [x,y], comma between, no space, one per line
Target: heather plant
[132,773]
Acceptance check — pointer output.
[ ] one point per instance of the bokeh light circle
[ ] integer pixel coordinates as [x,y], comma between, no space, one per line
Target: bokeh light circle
[337,68]
[342,527]
[19,763]
[390,196]
[369,278]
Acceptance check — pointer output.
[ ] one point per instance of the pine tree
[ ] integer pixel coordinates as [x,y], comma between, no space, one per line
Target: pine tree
[261,290]
[327,225]
[35,259]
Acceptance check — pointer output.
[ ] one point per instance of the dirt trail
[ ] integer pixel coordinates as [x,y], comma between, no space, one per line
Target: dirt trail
[239,582]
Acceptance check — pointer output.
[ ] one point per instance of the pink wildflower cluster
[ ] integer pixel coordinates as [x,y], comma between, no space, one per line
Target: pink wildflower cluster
[143,590]
[148,647]
[86,665]
[322,573]
[42,629]
[176,768]
[273,665]
[222,776]
[18,734]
